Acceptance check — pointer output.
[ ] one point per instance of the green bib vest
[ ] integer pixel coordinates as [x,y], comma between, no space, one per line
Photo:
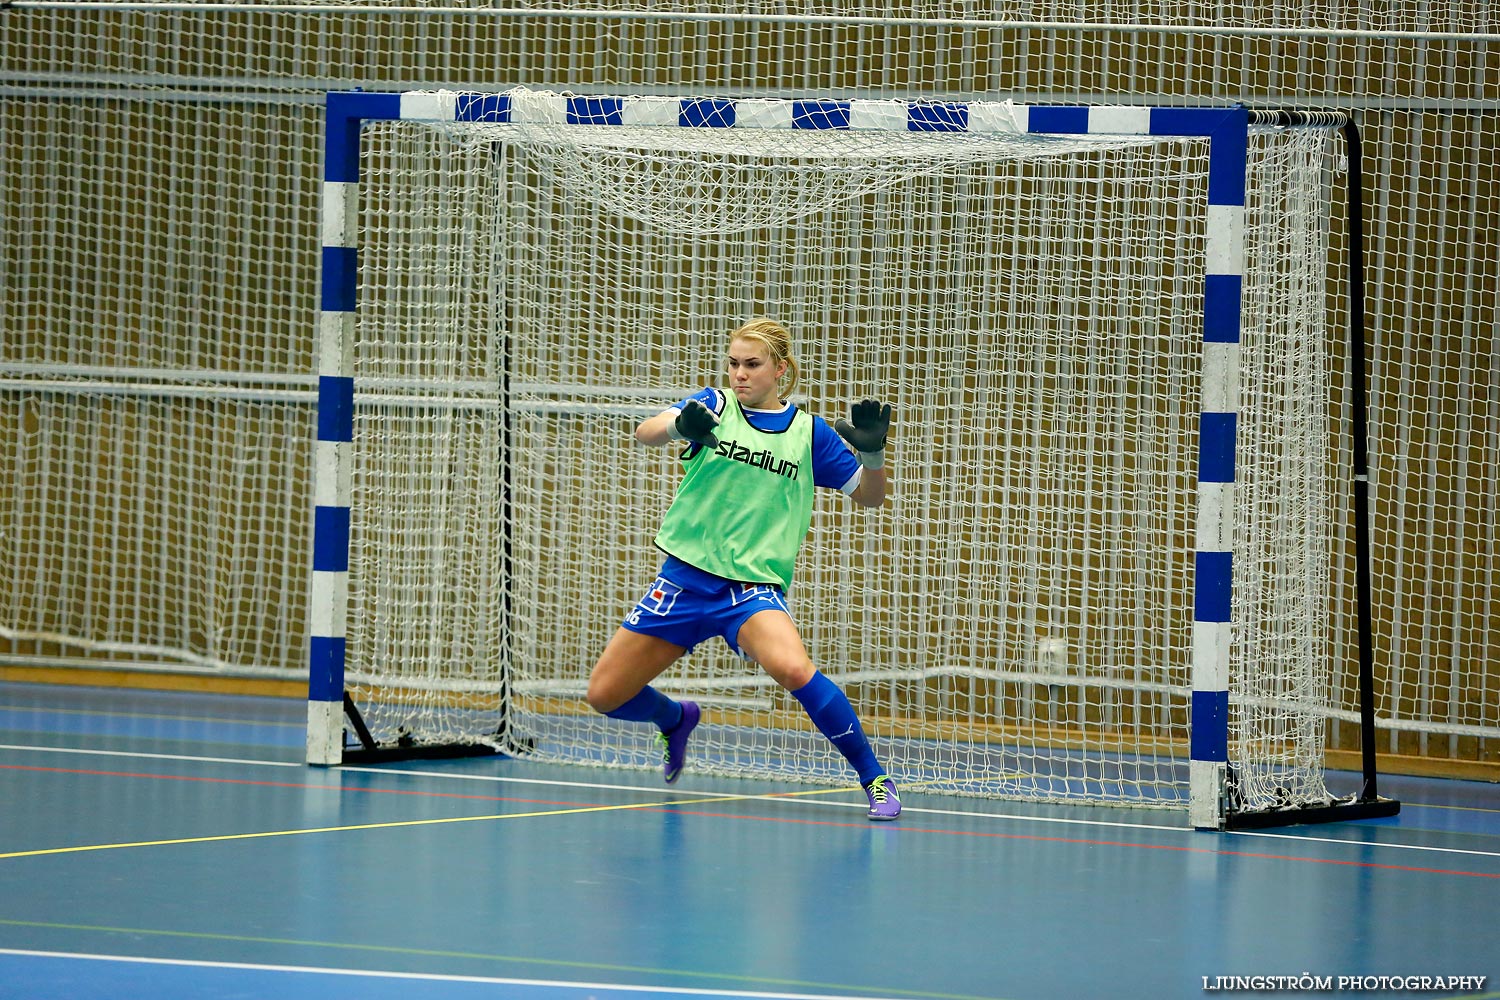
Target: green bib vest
[743,509]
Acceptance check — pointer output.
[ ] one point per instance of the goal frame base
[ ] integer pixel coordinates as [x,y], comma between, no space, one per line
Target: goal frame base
[1337,811]
[369,751]
[387,753]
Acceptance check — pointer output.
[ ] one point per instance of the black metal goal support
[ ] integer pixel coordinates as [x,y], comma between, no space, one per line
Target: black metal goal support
[1368,802]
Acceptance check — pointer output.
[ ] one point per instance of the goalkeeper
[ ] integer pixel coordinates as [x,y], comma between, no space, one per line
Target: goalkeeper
[731,535]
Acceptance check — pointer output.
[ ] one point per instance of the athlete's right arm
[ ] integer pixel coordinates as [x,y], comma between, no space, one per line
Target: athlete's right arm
[690,421]
[657,431]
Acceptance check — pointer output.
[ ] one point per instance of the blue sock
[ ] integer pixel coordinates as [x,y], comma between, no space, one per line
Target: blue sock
[650,705]
[830,711]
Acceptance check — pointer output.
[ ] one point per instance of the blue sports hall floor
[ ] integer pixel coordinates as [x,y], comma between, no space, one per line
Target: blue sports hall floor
[166,844]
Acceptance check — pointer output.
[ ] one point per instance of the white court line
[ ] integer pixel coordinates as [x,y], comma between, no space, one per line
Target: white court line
[1364,843]
[431,977]
[656,790]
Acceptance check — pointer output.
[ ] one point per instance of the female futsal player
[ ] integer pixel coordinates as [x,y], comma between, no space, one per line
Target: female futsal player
[731,537]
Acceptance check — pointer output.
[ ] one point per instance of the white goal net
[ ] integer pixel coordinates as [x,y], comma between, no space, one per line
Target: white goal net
[1018,619]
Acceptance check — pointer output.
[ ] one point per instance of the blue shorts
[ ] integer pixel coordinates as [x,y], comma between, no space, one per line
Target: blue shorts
[687,617]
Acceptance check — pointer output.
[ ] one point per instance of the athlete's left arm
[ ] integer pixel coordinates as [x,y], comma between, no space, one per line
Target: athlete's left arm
[836,467]
[872,488]
[866,429]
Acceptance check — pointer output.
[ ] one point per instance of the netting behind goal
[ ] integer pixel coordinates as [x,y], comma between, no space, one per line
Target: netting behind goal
[1019,619]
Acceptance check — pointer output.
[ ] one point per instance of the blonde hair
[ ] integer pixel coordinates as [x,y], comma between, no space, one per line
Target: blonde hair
[778,344]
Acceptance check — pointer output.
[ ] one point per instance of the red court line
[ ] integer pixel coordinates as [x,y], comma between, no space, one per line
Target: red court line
[903,828]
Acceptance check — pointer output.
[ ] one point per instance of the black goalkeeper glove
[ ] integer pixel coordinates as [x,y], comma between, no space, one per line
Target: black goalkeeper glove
[696,423]
[866,431]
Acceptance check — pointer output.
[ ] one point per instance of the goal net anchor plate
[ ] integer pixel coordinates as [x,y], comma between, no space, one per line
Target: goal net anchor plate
[500,743]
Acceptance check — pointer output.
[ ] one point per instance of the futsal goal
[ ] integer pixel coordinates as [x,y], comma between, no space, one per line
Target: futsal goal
[1104,573]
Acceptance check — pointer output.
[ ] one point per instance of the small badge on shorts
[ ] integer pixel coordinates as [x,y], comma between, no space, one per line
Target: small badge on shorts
[660,598]
[750,591]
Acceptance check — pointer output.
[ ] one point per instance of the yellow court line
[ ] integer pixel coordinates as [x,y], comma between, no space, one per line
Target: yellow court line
[412,822]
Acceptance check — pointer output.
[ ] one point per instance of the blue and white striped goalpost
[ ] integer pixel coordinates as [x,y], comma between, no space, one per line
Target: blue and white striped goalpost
[1226,130]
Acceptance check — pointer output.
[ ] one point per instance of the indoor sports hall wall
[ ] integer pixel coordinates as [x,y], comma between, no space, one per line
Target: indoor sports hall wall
[158,292]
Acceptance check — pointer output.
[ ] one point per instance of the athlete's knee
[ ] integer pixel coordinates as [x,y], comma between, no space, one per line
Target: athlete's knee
[604,693]
[791,672]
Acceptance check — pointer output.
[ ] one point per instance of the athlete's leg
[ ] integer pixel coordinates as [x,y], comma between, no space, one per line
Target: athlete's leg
[626,668]
[770,638]
[620,687]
